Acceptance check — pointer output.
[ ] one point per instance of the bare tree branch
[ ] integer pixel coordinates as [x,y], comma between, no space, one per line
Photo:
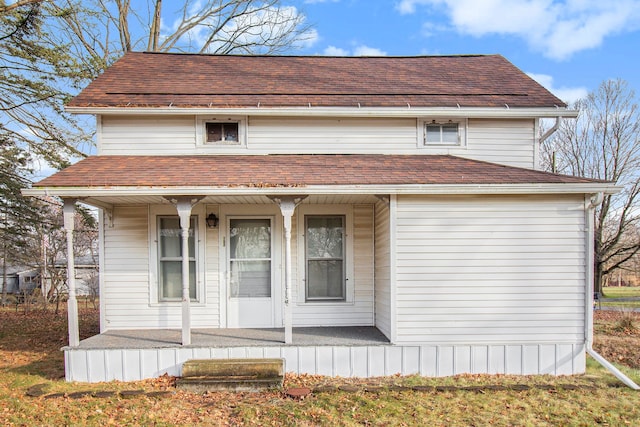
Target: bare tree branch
[604,143]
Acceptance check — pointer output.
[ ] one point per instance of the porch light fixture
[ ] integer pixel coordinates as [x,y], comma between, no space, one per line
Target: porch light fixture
[212,220]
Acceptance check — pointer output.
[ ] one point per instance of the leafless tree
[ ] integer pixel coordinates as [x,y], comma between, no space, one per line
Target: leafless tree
[604,143]
[100,31]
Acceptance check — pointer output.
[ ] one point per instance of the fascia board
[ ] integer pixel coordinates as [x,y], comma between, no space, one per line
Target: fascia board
[416,189]
[408,112]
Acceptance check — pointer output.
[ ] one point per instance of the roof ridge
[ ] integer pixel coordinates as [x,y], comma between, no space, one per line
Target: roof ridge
[463,55]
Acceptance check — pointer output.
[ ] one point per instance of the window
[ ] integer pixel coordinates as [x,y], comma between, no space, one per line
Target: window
[170,258]
[441,134]
[222,133]
[325,257]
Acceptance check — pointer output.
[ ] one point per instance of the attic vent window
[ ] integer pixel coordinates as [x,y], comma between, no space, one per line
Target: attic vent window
[441,133]
[222,133]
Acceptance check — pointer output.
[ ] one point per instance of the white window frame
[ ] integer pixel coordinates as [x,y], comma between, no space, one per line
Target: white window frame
[201,133]
[325,210]
[422,132]
[154,255]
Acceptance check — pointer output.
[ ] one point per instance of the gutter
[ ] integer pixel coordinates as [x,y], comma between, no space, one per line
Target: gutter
[428,189]
[588,331]
[356,111]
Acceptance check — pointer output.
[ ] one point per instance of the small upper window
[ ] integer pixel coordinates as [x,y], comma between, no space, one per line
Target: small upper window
[441,134]
[222,133]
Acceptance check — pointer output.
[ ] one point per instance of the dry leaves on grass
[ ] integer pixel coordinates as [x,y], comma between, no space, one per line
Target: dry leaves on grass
[617,337]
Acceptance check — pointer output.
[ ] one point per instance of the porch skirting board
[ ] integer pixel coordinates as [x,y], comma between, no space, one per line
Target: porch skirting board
[127,364]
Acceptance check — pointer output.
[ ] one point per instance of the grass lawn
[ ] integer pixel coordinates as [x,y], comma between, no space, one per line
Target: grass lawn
[31,363]
[621,291]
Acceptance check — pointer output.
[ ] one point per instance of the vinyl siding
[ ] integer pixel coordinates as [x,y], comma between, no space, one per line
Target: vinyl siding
[133,364]
[382,269]
[128,274]
[146,135]
[332,135]
[490,269]
[509,142]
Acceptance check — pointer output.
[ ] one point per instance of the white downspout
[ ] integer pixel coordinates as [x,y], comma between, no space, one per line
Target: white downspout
[588,332]
[551,130]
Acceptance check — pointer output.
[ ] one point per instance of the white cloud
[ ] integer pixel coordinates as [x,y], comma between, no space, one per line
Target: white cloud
[320,1]
[368,51]
[558,29]
[360,50]
[335,51]
[409,6]
[567,94]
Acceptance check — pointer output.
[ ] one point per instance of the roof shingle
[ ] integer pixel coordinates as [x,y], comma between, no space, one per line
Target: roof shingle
[227,81]
[292,171]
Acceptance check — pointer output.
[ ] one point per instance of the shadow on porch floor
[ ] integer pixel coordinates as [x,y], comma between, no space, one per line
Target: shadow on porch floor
[163,338]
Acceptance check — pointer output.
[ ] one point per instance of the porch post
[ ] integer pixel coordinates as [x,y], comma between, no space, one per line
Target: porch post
[287,207]
[184,212]
[68,212]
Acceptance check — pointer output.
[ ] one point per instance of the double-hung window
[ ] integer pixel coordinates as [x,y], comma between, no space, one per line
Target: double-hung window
[170,258]
[325,257]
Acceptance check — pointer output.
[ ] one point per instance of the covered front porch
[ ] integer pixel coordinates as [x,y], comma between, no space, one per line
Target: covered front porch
[130,355]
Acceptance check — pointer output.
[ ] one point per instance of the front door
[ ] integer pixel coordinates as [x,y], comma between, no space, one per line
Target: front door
[250,273]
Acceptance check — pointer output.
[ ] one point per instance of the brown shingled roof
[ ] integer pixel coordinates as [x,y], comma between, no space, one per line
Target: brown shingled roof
[226,81]
[292,171]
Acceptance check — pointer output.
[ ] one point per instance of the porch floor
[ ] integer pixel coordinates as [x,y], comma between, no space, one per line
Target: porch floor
[248,337]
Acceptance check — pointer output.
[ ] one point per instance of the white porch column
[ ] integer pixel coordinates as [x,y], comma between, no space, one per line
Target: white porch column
[68,212]
[184,212]
[287,207]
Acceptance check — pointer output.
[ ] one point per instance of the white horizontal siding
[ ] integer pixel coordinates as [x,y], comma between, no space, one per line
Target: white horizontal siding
[509,142]
[212,271]
[382,269]
[331,135]
[126,271]
[490,269]
[99,365]
[146,135]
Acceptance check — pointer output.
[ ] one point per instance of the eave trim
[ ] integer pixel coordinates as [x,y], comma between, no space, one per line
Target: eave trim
[417,189]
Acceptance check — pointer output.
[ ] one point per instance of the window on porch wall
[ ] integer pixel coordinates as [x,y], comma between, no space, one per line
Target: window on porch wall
[324,254]
[170,259]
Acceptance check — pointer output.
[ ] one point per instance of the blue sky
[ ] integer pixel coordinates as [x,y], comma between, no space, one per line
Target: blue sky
[569,46]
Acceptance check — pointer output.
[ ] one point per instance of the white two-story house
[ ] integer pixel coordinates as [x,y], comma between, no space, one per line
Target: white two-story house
[355,216]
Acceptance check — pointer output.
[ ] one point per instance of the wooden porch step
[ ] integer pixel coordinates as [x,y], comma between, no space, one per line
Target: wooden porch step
[201,375]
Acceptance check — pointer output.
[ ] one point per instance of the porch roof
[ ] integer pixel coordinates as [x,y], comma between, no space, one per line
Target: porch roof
[292,171]
[105,181]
